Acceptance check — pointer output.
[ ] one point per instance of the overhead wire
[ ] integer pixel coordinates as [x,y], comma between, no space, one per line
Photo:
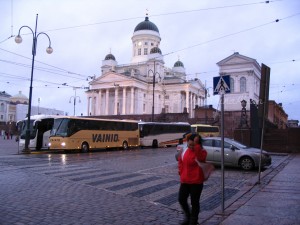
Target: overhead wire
[162,14]
[187,11]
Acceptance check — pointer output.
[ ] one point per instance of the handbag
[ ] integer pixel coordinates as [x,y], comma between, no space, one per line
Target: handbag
[207,168]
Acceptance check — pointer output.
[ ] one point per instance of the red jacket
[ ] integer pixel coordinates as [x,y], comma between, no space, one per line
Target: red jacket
[189,170]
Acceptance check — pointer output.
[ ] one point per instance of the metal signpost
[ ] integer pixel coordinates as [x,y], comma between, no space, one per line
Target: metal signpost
[221,87]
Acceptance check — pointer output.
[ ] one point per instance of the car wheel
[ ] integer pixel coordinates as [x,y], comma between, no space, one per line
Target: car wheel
[84,147]
[154,144]
[246,163]
[125,145]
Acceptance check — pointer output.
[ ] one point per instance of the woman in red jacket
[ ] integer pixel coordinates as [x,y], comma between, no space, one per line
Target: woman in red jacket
[191,178]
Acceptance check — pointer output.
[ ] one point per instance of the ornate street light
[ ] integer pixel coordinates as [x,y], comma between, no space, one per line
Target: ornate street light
[49,50]
[153,83]
[243,122]
[74,99]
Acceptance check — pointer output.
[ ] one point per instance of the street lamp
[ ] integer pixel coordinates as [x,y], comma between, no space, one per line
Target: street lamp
[49,50]
[243,122]
[39,100]
[153,82]
[74,100]
[206,96]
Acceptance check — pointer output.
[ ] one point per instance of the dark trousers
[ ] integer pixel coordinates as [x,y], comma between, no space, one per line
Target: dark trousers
[193,190]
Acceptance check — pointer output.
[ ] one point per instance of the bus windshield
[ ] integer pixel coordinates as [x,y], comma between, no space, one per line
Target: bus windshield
[60,127]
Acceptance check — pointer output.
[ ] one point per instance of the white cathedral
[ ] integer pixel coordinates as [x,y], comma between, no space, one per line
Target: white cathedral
[146,85]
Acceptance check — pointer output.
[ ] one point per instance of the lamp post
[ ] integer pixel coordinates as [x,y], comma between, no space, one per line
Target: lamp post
[74,100]
[153,83]
[243,122]
[39,100]
[206,90]
[49,50]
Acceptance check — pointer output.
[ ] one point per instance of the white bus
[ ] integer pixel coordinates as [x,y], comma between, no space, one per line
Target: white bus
[157,134]
[40,127]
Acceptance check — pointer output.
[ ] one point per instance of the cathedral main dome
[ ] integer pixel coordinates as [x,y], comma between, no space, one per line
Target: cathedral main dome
[146,25]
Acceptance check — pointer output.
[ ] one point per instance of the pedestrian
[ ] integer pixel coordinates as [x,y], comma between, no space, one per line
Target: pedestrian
[191,179]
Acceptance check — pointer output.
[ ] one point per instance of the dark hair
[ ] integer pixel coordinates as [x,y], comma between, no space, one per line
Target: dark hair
[192,137]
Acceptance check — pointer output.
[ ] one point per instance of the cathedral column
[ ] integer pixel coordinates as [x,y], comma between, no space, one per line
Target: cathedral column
[132,101]
[88,105]
[106,102]
[124,101]
[116,101]
[99,102]
[187,101]
[193,105]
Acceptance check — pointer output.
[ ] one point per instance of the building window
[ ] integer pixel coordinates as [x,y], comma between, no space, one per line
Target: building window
[2,107]
[152,44]
[144,95]
[146,43]
[2,117]
[139,51]
[144,108]
[167,97]
[145,51]
[243,84]
[231,85]
[166,109]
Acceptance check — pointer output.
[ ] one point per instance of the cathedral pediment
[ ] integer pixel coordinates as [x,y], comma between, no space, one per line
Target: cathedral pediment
[110,77]
[236,58]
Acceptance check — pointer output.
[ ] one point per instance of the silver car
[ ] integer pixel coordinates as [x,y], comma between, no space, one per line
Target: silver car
[236,154]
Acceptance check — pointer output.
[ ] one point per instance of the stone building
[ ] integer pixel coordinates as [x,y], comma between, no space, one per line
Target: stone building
[245,76]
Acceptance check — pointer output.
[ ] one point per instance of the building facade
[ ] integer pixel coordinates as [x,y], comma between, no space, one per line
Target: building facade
[146,85]
[245,76]
[15,108]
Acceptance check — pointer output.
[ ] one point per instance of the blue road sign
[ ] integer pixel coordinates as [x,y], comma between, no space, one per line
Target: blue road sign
[221,85]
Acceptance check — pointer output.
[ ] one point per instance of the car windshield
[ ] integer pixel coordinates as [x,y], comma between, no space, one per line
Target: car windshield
[237,144]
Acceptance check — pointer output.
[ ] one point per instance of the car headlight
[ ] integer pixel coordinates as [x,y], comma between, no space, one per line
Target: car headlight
[63,144]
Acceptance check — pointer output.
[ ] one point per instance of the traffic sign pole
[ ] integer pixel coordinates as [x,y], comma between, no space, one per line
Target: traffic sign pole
[221,87]
[222,151]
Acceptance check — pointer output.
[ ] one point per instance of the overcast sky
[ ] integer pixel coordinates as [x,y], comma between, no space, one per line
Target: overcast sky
[200,33]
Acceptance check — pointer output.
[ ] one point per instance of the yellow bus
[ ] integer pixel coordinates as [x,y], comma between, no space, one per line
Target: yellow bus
[205,130]
[85,134]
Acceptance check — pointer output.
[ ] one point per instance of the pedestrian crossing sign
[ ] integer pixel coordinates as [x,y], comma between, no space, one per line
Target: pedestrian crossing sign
[221,85]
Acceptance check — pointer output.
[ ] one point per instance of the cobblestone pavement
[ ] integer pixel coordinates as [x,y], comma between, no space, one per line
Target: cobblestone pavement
[106,187]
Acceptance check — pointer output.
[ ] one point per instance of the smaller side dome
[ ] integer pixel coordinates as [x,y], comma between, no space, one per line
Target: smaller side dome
[155,50]
[110,57]
[178,64]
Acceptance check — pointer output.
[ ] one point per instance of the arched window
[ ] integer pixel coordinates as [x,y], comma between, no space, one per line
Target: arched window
[243,84]
[231,85]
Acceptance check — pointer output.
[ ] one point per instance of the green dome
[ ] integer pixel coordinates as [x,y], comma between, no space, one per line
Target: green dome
[178,64]
[146,25]
[155,50]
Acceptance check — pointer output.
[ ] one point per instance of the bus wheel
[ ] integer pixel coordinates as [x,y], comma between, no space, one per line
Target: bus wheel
[125,145]
[154,144]
[84,147]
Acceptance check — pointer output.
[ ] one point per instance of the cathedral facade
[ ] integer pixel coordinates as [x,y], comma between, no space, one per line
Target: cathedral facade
[145,85]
